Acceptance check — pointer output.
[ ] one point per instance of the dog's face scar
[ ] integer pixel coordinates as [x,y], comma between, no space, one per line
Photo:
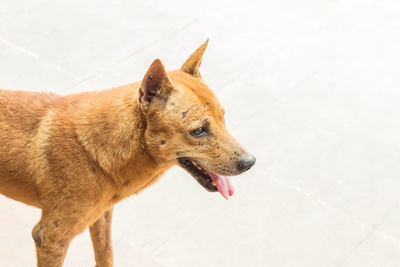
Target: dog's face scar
[186,112]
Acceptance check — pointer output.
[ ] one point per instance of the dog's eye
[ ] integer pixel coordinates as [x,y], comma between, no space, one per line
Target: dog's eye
[199,132]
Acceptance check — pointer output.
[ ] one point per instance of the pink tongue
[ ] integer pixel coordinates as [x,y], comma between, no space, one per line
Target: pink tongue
[224,184]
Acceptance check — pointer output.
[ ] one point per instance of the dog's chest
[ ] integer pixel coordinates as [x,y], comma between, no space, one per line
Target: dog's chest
[137,180]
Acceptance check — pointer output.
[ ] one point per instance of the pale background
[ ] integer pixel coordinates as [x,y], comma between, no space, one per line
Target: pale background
[312,88]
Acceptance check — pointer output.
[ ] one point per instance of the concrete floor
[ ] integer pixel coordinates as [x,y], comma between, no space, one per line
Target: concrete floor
[310,87]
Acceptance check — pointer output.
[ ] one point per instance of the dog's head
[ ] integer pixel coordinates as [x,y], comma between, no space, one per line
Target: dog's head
[185,125]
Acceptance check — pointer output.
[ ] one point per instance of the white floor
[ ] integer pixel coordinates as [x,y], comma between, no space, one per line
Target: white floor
[312,88]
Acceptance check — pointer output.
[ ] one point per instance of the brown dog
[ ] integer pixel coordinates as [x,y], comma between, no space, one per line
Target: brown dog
[76,156]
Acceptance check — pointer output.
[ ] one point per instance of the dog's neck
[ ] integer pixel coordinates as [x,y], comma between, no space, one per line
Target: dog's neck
[112,131]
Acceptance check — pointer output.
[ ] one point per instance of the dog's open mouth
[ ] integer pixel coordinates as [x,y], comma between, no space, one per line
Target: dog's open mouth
[210,181]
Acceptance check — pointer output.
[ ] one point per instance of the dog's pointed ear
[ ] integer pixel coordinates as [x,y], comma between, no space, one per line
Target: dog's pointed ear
[155,82]
[192,64]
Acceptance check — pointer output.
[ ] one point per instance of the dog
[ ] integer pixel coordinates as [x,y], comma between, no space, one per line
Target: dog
[76,156]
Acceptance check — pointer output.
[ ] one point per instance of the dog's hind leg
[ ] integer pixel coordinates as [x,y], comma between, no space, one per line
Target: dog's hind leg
[100,233]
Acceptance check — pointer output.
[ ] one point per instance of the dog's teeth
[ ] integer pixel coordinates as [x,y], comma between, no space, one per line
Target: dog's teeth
[196,165]
[214,183]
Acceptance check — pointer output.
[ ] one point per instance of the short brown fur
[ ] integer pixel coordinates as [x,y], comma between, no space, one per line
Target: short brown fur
[76,156]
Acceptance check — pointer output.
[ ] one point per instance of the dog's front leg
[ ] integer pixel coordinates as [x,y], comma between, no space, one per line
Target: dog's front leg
[51,242]
[60,223]
[100,233]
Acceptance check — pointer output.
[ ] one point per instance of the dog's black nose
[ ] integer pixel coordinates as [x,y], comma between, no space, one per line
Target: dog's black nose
[246,162]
